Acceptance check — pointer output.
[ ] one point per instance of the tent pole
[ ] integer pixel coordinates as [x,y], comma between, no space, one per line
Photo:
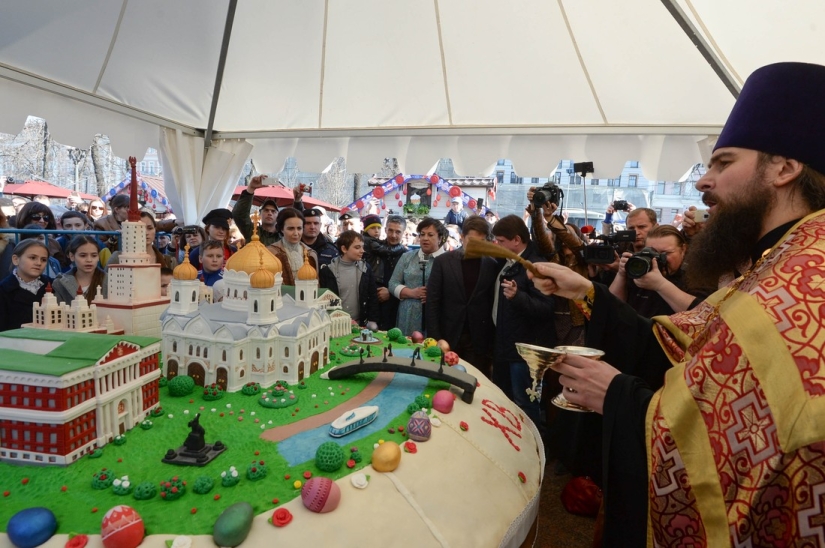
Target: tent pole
[216,92]
[704,48]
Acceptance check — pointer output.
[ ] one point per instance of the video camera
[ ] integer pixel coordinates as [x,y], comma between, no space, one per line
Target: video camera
[184,230]
[642,262]
[550,192]
[604,252]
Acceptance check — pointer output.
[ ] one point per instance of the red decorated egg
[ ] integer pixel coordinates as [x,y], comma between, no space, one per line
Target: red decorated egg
[321,495]
[429,191]
[443,401]
[400,203]
[122,528]
[397,195]
[451,358]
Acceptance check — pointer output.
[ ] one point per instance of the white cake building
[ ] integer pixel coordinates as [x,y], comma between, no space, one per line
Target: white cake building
[255,334]
[77,317]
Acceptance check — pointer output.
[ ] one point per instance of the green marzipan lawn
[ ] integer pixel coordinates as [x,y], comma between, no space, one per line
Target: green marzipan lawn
[79,508]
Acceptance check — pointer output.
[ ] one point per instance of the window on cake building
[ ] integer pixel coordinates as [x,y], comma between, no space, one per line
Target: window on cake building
[272,306]
[270,351]
[191,348]
[174,346]
[286,352]
[258,353]
[194,296]
[198,351]
[286,369]
[242,373]
[177,297]
[244,294]
[241,354]
[223,355]
[205,352]
[255,306]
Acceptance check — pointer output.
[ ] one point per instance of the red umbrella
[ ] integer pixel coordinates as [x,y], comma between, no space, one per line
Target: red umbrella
[283,197]
[36,188]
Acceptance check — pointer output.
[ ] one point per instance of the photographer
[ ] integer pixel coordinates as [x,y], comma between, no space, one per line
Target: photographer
[660,289]
[267,232]
[559,245]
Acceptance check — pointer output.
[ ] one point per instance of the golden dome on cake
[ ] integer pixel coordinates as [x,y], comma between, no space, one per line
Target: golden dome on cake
[185,270]
[262,279]
[252,256]
[306,272]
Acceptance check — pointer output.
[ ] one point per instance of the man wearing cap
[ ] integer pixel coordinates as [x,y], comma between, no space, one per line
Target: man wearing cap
[350,221]
[316,241]
[730,451]
[457,214]
[269,210]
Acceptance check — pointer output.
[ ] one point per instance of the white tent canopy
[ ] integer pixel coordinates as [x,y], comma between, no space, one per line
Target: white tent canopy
[475,80]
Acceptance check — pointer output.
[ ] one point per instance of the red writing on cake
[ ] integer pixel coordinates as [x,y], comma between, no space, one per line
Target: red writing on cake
[510,424]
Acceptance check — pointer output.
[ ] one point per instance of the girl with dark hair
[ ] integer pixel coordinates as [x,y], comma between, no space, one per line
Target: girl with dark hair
[26,284]
[85,273]
[191,235]
[290,249]
[352,280]
[409,280]
[40,215]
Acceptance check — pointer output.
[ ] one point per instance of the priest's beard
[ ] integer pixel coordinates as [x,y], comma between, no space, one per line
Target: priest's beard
[724,245]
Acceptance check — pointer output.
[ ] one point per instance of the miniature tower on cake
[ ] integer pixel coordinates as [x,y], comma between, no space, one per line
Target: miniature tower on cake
[263,296]
[306,284]
[134,300]
[184,290]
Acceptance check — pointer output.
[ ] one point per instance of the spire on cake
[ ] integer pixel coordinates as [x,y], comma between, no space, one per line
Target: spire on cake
[134,211]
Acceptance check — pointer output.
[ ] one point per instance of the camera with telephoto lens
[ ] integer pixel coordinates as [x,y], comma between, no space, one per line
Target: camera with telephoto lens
[184,230]
[620,205]
[604,251]
[548,193]
[642,262]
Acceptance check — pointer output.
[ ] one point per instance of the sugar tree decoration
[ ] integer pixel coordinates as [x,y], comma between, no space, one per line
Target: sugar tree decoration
[329,457]
[203,484]
[173,488]
[145,491]
[182,385]
[103,479]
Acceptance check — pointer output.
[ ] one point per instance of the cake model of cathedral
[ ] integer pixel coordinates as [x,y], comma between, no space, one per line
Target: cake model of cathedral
[254,334]
[77,317]
[134,301]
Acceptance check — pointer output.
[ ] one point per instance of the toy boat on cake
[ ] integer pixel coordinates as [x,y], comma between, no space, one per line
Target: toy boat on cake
[353,420]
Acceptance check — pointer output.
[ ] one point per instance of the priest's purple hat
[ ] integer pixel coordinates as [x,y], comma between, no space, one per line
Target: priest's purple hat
[781,111]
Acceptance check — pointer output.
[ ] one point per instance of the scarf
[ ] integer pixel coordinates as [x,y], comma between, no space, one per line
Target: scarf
[295,254]
[32,287]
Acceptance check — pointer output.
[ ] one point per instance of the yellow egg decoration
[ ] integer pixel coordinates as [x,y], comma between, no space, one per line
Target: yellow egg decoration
[429,341]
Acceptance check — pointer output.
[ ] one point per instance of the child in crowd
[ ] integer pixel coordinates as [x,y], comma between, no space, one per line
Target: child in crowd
[377,251]
[53,267]
[352,280]
[26,284]
[85,272]
[212,262]
[217,228]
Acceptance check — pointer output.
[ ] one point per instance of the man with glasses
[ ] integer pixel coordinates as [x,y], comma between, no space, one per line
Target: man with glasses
[316,241]
[269,211]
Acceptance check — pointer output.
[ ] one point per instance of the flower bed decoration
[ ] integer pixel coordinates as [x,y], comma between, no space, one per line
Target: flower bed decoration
[147,424]
[156,412]
[122,486]
[230,478]
[120,439]
[203,485]
[277,398]
[251,389]
[103,479]
[329,457]
[212,392]
[145,491]
[256,470]
[173,488]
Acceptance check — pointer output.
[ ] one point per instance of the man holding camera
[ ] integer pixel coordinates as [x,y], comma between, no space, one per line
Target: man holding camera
[269,211]
[729,452]
[652,280]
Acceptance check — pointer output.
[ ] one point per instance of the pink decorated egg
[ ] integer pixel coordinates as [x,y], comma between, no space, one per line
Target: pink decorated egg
[417,337]
[451,358]
[443,401]
[419,427]
[321,495]
[122,528]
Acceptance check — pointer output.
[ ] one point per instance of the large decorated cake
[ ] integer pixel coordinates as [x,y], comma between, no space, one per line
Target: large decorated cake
[259,417]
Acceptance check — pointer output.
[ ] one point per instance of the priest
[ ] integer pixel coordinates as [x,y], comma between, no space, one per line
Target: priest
[713,418]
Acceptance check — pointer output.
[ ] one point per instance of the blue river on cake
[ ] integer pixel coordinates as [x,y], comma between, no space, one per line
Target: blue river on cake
[391,402]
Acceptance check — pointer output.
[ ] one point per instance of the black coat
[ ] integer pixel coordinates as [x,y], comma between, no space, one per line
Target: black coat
[367,291]
[528,317]
[448,309]
[16,303]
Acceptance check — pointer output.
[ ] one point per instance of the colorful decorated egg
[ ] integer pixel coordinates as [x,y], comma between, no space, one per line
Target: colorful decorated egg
[417,337]
[460,367]
[451,358]
[428,342]
[233,525]
[386,457]
[31,527]
[419,427]
[321,495]
[443,401]
[122,528]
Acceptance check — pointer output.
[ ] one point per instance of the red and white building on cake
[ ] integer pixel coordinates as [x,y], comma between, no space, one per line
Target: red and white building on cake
[64,394]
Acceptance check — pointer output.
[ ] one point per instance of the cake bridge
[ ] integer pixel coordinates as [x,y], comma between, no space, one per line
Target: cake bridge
[420,367]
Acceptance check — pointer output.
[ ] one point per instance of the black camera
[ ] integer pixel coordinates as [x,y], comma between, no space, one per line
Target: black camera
[620,205]
[604,251]
[642,262]
[184,230]
[550,192]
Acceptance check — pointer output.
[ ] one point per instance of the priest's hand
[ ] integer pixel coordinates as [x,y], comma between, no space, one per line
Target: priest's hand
[560,281]
[585,380]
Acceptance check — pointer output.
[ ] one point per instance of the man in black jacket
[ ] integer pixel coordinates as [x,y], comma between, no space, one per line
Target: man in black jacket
[269,211]
[460,300]
[388,252]
[521,313]
[312,236]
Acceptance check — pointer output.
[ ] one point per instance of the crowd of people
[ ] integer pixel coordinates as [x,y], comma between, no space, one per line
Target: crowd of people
[706,398]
